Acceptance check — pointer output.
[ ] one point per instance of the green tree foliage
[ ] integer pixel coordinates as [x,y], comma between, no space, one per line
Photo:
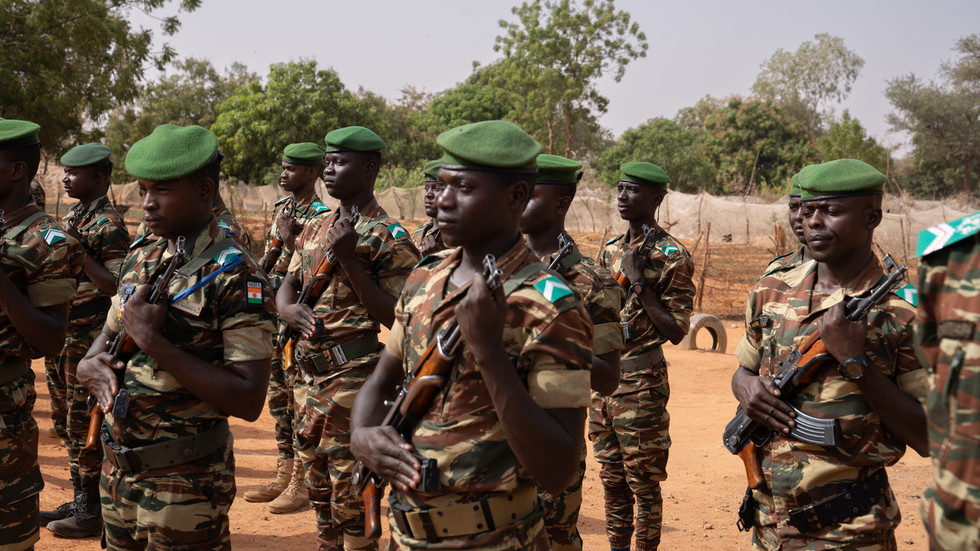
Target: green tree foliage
[755,145]
[944,119]
[554,55]
[667,144]
[816,73]
[847,139]
[63,64]
[692,118]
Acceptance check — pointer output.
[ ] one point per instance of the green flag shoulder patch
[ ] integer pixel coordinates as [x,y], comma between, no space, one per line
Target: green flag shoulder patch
[397,230]
[226,255]
[553,288]
[669,249]
[939,236]
[54,235]
[319,207]
[909,294]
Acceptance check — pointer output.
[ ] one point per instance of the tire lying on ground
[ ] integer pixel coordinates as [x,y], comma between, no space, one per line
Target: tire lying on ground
[719,339]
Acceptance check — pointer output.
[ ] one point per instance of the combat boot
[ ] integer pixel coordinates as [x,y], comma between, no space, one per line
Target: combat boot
[64,510]
[295,495]
[284,469]
[86,522]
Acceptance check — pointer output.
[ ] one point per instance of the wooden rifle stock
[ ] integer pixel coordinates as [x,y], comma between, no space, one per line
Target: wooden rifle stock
[275,246]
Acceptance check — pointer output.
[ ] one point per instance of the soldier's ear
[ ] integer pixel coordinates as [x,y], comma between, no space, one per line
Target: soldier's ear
[564,203]
[520,193]
[207,188]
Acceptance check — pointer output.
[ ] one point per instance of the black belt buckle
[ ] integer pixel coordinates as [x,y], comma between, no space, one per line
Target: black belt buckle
[804,519]
[133,463]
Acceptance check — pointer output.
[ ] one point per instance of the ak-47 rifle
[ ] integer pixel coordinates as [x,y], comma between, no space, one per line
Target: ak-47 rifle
[644,248]
[316,285]
[123,347]
[415,397]
[743,436]
[275,246]
[564,249]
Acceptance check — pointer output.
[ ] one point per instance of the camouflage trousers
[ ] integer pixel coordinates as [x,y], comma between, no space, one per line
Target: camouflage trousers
[169,511]
[767,539]
[526,534]
[561,513]
[20,476]
[70,413]
[282,406]
[630,439]
[323,444]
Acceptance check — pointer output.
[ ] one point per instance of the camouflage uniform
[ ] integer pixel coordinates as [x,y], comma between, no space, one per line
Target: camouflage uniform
[427,228]
[44,265]
[629,429]
[183,505]
[37,192]
[323,435]
[226,222]
[282,404]
[603,300]
[782,312]
[784,262]
[949,346]
[105,239]
[548,338]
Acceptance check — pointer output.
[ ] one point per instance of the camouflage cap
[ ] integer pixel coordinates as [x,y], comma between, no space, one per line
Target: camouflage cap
[840,178]
[496,146]
[90,154]
[303,153]
[171,151]
[639,172]
[353,138]
[15,133]
[432,171]
[553,169]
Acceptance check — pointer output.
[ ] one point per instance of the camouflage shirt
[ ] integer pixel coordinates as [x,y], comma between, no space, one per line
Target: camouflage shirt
[547,336]
[948,342]
[228,319]
[782,312]
[784,262]
[427,228]
[383,248]
[231,226]
[105,239]
[302,216]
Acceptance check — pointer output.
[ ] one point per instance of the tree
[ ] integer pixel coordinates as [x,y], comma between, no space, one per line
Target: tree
[65,64]
[801,82]
[754,141]
[944,120]
[692,118]
[847,139]
[554,55]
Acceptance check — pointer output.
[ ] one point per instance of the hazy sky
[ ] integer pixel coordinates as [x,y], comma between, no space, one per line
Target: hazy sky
[696,47]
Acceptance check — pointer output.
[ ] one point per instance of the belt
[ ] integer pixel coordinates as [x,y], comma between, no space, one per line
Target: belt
[168,453]
[13,370]
[484,515]
[855,500]
[645,360]
[97,306]
[336,356]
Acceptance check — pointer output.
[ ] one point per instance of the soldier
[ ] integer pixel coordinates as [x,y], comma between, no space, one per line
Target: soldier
[427,237]
[339,346]
[629,430]
[302,164]
[946,338]
[791,260]
[203,354]
[544,224]
[513,412]
[40,267]
[102,233]
[816,497]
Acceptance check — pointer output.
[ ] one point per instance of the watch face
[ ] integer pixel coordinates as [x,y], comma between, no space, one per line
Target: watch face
[853,369]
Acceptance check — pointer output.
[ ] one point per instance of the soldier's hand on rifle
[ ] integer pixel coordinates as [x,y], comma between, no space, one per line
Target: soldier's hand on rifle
[96,374]
[481,318]
[299,317]
[760,400]
[383,451]
[633,263]
[342,239]
[843,338]
[144,321]
[285,226]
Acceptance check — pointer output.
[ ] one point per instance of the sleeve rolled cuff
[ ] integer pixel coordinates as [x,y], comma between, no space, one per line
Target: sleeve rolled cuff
[51,292]
[247,344]
[560,388]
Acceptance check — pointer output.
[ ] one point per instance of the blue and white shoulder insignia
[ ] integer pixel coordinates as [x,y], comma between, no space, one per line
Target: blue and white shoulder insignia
[945,234]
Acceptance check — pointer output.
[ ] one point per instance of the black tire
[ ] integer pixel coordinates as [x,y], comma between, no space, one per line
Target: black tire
[719,339]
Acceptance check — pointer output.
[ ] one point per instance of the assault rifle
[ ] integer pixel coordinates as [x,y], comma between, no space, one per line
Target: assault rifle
[123,347]
[644,248]
[317,284]
[275,246]
[564,249]
[743,436]
[415,396]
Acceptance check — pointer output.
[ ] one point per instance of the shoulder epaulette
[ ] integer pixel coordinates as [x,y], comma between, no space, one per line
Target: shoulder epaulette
[669,249]
[139,239]
[397,230]
[319,207]
[939,236]
[281,200]
[102,220]
[909,294]
[433,258]
[615,239]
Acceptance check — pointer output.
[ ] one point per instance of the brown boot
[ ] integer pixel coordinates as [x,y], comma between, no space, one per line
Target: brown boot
[284,469]
[293,497]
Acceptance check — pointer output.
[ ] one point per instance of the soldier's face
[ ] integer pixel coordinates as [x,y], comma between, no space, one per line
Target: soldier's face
[796,218]
[836,228]
[636,201]
[430,199]
[475,208]
[345,173]
[172,208]
[542,210]
[80,182]
[297,177]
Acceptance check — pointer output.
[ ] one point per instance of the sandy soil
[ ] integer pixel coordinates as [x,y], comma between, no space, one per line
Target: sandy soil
[701,495]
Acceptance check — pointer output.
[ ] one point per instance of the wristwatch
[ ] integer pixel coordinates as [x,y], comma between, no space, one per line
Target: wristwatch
[638,287]
[853,368]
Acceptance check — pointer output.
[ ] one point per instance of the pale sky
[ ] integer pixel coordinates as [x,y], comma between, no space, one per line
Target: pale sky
[696,47]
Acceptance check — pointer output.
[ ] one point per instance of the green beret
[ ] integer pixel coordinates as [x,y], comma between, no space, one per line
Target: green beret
[90,154]
[353,138]
[15,133]
[794,187]
[639,172]
[839,178]
[170,152]
[497,146]
[305,153]
[432,171]
[553,169]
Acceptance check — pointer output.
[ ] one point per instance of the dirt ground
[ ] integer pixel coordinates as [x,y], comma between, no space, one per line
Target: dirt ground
[701,495]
